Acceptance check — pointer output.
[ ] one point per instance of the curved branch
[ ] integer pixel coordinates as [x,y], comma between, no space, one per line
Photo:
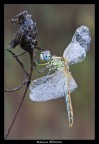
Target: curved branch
[19,61]
[22,100]
[17,88]
[20,54]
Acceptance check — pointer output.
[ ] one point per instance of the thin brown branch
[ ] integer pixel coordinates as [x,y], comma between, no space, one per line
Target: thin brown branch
[19,61]
[25,38]
[22,100]
[17,88]
[21,54]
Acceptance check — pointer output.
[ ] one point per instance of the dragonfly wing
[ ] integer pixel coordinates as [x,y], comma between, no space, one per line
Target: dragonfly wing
[49,87]
[76,50]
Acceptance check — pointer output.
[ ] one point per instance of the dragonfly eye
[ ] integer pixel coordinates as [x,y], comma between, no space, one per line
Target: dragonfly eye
[41,56]
[45,56]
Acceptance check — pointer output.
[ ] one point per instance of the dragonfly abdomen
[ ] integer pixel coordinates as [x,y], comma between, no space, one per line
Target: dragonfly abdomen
[67,96]
[69,110]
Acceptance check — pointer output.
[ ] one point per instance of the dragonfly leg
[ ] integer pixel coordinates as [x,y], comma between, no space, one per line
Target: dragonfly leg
[39,48]
[40,71]
[37,61]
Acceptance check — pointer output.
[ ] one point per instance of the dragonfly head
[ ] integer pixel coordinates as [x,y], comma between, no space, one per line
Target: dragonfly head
[45,56]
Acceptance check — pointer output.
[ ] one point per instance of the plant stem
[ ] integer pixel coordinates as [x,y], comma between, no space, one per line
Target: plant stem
[23,97]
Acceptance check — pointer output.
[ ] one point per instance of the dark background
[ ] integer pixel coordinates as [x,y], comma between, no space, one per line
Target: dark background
[56,24]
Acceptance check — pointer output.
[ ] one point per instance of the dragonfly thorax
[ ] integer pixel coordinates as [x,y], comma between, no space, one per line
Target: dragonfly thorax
[58,63]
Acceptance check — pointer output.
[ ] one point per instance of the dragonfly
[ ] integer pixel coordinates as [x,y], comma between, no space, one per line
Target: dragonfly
[60,83]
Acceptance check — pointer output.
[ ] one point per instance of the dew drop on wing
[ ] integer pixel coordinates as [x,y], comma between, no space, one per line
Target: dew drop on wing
[78,47]
[53,88]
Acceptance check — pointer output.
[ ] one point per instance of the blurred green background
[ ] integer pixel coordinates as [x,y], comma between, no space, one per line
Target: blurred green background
[56,24]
